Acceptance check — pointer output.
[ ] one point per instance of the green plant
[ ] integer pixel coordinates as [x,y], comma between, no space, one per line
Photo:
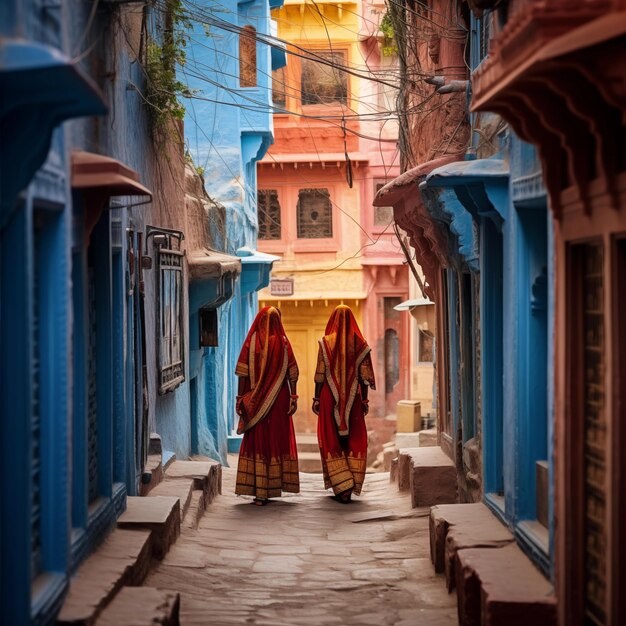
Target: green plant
[390,46]
[163,89]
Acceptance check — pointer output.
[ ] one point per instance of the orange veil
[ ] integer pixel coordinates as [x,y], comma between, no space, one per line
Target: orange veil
[343,349]
[265,357]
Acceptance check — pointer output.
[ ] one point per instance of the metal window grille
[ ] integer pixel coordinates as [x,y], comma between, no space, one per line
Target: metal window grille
[595,429]
[268,208]
[323,83]
[484,33]
[170,348]
[315,214]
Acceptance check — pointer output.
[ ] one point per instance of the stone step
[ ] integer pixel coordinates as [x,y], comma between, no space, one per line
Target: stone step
[159,514]
[197,507]
[152,474]
[456,527]
[427,438]
[389,454]
[407,440]
[429,474]
[142,606]
[180,488]
[310,462]
[404,468]
[122,559]
[307,442]
[206,474]
[501,587]
[156,464]
[393,469]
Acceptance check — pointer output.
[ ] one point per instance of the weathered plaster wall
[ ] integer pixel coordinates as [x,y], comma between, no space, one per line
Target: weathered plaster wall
[436,125]
[226,137]
[126,134]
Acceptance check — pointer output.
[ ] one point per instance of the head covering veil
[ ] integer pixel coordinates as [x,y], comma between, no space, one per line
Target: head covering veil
[343,348]
[264,358]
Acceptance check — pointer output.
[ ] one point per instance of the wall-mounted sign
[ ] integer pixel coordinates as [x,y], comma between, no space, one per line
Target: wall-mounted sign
[281,286]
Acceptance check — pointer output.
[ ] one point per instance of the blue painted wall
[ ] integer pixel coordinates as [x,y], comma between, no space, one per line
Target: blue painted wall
[44,297]
[495,211]
[228,129]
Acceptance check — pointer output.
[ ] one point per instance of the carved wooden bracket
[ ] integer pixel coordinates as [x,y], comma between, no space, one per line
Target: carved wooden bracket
[569,99]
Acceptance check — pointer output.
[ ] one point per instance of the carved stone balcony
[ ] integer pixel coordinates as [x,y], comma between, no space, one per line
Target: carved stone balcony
[556,73]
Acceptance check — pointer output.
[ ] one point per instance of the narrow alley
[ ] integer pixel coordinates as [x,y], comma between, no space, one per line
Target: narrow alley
[243,241]
[307,559]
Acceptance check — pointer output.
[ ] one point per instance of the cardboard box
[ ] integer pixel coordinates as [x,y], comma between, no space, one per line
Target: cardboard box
[409,416]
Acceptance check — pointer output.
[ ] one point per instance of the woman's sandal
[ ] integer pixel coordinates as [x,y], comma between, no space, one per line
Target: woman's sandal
[260,501]
[344,498]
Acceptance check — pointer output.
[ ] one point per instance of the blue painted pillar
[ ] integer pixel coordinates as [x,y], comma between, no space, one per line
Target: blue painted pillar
[79,367]
[491,301]
[53,300]
[453,324]
[532,355]
[101,243]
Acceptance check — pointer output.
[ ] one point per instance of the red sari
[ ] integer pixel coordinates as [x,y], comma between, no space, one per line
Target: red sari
[268,459]
[344,364]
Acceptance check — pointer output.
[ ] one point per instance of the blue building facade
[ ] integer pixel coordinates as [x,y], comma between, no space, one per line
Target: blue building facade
[478,219]
[96,287]
[494,208]
[228,129]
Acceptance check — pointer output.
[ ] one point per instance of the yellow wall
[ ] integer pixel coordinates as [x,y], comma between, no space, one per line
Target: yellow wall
[305,322]
[300,23]
[319,284]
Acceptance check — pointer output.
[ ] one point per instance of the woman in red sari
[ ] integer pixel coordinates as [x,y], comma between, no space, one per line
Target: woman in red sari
[342,378]
[268,375]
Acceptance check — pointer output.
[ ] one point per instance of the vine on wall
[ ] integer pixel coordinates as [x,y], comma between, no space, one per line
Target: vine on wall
[161,58]
[390,46]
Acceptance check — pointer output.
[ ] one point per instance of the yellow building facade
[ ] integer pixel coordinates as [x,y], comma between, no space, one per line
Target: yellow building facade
[315,189]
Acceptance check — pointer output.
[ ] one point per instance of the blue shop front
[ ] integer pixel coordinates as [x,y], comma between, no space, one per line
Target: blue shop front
[499,219]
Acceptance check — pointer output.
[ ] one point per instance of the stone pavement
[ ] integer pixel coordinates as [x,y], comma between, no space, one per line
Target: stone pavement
[308,560]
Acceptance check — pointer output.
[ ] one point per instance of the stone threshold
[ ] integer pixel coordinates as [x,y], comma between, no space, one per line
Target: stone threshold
[103,590]
[496,583]
[428,474]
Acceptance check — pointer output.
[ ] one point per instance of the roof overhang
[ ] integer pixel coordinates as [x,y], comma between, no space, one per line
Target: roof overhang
[207,264]
[38,83]
[109,176]
[255,268]
[593,33]
[481,185]
[408,182]
[212,279]
[328,159]
[427,237]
